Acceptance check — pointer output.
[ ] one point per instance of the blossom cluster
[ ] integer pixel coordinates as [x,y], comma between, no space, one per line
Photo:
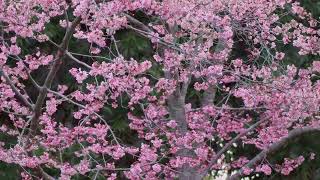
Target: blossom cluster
[193,45]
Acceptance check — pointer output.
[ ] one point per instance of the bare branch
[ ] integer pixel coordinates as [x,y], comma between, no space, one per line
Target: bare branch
[137,23]
[77,60]
[54,68]
[45,175]
[229,144]
[274,147]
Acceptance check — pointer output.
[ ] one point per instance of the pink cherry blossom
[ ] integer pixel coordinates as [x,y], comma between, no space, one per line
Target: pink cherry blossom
[186,104]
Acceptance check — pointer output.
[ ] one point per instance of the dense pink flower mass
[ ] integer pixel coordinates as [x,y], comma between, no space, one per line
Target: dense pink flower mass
[177,138]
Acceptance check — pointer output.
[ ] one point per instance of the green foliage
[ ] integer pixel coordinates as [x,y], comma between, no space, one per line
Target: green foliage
[9,171]
[132,45]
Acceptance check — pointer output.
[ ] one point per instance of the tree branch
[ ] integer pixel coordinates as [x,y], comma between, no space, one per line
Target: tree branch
[229,144]
[52,73]
[84,107]
[147,32]
[273,148]
[45,175]
[209,96]
[77,60]
[16,90]
[137,23]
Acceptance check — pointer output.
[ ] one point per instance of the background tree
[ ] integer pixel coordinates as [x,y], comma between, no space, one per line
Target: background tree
[159,89]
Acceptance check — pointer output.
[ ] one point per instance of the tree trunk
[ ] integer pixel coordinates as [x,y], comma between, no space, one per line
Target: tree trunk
[176,103]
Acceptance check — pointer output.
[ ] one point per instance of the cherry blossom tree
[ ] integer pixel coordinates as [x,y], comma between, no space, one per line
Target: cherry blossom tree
[193,45]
